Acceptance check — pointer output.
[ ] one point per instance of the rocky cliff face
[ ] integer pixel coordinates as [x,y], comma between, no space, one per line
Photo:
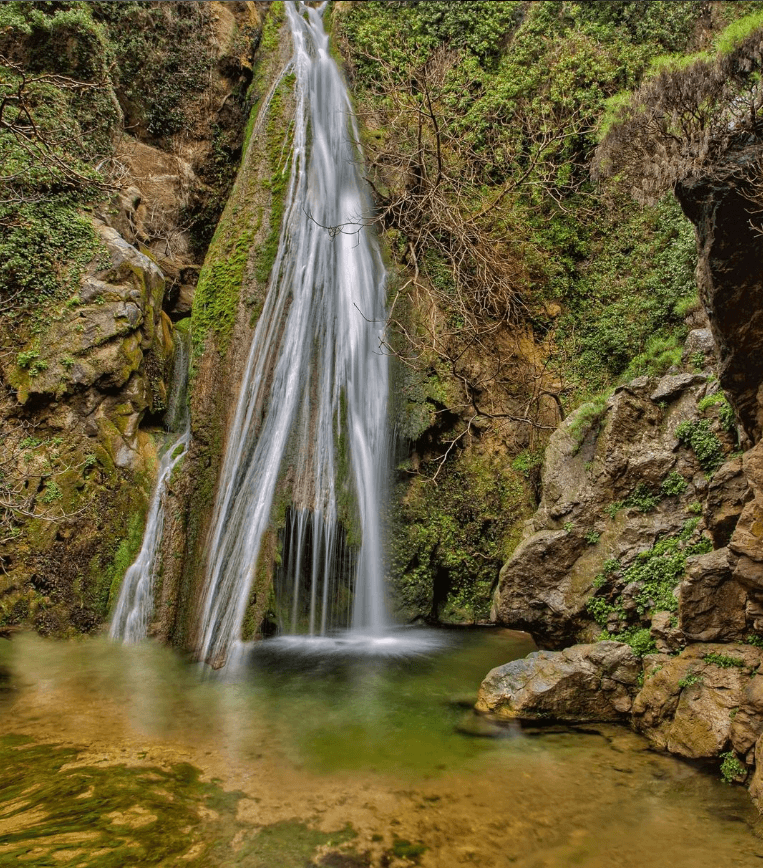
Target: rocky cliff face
[650,532]
[86,372]
[617,480]
[730,247]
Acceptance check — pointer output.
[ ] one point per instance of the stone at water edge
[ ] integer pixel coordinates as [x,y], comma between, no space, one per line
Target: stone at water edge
[702,702]
[582,683]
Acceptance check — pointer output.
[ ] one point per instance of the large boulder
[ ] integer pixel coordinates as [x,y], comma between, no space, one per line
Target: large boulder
[689,704]
[581,683]
[711,603]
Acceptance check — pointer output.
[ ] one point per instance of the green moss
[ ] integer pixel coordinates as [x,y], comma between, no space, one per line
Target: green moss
[126,553]
[587,417]
[404,849]
[272,26]
[224,273]
[219,286]
[117,815]
[448,540]
[278,145]
[724,661]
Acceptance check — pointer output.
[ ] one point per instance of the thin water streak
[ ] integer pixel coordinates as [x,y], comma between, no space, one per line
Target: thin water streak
[135,605]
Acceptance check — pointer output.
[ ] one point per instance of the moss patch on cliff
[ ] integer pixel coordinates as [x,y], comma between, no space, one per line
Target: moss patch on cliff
[238,238]
[449,539]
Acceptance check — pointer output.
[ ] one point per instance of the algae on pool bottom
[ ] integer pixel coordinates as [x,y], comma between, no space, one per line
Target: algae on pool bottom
[344,762]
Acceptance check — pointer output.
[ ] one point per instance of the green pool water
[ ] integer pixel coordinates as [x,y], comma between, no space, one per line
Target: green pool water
[116,755]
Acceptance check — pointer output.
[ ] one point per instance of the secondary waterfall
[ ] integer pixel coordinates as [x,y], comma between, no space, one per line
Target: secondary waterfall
[136,597]
[311,414]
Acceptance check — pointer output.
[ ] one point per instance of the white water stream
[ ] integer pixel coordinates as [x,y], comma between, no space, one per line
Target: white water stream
[135,606]
[312,410]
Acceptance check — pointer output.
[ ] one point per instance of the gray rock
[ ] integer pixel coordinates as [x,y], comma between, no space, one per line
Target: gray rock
[699,341]
[672,386]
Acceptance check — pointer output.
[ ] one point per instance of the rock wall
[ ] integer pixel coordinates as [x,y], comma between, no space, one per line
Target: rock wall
[729,278]
[650,530]
[86,373]
[616,481]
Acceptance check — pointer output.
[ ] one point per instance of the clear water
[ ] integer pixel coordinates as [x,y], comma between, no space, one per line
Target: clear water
[357,751]
[314,394]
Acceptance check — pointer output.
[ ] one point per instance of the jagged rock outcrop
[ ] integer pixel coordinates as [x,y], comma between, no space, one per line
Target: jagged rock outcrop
[74,451]
[582,683]
[702,702]
[729,279]
[606,500]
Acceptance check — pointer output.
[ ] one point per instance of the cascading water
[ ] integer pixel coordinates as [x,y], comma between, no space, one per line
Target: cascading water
[136,597]
[312,410]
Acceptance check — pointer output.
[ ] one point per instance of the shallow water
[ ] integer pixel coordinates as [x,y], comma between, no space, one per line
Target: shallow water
[133,755]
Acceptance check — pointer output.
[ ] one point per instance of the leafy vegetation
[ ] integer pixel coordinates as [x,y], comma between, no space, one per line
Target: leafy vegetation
[449,541]
[731,767]
[651,579]
[479,126]
[724,661]
[691,111]
[724,410]
[642,498]
[673,484]
[702,440]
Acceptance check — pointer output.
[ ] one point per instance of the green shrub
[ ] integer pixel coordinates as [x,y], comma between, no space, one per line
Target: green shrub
[731,768]
[639,639]
[724,409]
[673,484]
[699,437]
[592,537]
[642,498]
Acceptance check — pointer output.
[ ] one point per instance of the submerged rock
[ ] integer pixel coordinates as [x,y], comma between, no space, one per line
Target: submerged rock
[581,683]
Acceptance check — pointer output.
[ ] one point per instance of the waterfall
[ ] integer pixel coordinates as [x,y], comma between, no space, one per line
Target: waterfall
[312,411]
[136,597]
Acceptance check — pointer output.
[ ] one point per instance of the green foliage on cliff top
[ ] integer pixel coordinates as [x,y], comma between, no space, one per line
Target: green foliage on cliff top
[518,89]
